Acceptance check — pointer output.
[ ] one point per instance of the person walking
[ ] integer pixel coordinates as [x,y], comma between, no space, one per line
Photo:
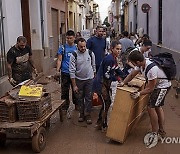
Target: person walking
[62,68]
[109,71]
[82,69]
[97,44]
[125,43]
[19,62]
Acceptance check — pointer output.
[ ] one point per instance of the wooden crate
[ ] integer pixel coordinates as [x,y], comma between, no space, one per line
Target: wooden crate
[126,112]
[32,110]
[8,110]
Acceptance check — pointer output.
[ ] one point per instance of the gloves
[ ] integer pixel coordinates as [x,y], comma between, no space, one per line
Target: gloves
[135,95]
[12,81]
[121,84]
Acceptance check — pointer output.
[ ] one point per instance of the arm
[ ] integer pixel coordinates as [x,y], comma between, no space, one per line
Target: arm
[89,44]
[93,63]
[58,64]
[9,68]
[149,88]
[72,71]
[131,76]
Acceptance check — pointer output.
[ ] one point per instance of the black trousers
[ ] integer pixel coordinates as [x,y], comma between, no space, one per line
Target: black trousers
[65,89]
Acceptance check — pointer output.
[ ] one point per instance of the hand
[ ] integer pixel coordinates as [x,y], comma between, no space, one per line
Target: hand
[12,81]
[135,95]
[95,97]
[57,76]
[75,88]
[121,84]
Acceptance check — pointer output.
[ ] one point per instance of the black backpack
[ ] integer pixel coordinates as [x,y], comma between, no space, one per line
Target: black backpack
[164,61]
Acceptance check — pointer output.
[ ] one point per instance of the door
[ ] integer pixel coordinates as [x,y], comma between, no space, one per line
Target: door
[55,31]
[26,20]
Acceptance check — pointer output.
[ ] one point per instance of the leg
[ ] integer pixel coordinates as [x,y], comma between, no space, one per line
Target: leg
[88,100]
[154,108]
[65,86]
[154,119]
[80,98]
[160,114]
[106,101]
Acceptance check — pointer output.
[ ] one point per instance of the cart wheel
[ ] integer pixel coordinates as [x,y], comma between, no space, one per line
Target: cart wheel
[48,123]
[2,139]
[61,115]
[39,140]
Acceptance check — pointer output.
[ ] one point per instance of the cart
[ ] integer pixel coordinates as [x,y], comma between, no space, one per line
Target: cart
[34,130]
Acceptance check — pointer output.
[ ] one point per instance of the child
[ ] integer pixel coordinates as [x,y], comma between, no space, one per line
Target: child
[108,72]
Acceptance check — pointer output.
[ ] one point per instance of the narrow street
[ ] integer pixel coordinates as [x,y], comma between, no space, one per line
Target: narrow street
[71,137]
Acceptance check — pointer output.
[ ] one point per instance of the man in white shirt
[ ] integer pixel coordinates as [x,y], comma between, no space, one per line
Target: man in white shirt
[145,49]
[157,86]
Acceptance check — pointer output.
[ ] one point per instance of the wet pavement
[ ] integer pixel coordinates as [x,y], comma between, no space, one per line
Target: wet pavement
[71,137]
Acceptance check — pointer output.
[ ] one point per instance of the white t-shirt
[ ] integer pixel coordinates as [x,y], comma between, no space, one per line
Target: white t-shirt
[155,73]
[145,54]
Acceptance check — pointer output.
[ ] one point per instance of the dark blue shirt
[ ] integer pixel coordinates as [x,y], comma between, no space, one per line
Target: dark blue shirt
[98,46]
[108,70]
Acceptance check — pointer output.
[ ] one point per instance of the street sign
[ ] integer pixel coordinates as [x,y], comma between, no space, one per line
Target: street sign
[145,8]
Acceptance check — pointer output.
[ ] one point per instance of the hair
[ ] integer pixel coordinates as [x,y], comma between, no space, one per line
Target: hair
[21,38]
[147,43]
[146,36]
[80,40]
[125,33]
[98,27]
[78,33]
[114,44]
[70,33]
[135,55]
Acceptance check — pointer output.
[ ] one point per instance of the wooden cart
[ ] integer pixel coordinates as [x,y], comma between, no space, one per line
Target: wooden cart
[34,130]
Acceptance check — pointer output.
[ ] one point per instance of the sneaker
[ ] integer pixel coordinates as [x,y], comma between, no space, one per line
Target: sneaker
[81,118]
[88,119]
[98,125]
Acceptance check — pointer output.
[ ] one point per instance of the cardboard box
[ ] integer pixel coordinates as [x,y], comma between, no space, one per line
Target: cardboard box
[126,112]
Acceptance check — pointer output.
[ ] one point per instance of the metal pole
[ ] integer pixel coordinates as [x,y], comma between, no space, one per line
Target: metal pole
[147,22]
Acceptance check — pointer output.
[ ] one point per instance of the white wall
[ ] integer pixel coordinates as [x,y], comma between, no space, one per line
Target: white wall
[35,24]
[12,21]
[153,19]
[171,24]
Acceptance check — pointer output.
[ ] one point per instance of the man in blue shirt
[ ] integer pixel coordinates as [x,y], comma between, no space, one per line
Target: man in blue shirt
[64,54]
[97,44]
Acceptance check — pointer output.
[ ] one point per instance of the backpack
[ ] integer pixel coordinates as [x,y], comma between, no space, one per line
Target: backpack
[164,61]
[90,54]
[64,50]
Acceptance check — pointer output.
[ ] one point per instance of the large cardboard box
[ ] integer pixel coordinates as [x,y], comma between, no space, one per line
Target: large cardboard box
[126,112]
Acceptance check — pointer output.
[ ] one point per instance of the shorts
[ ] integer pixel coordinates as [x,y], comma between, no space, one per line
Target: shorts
[157,97]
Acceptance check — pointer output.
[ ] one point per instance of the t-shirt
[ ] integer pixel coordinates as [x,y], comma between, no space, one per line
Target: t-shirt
[19,59]
[66,51]
[126,43]
[145,54]
[98,46]
[155,73]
